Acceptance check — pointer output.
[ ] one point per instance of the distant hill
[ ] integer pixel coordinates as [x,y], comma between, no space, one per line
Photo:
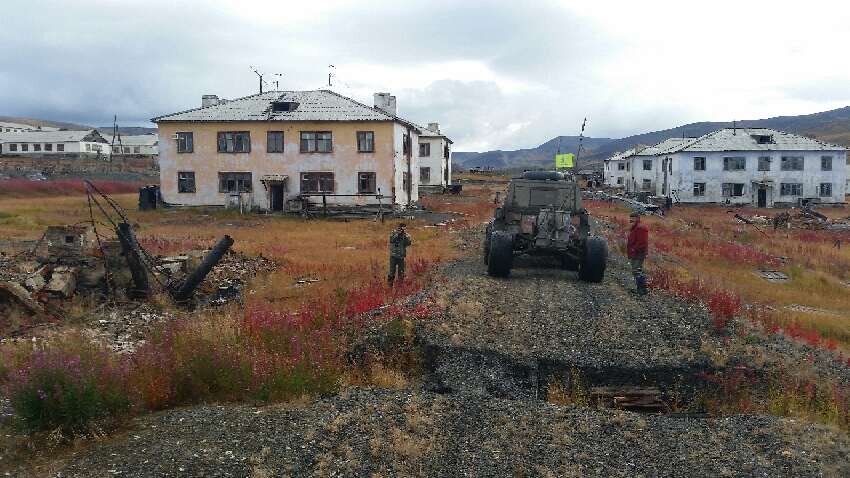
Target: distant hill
[831,126]
[124,130]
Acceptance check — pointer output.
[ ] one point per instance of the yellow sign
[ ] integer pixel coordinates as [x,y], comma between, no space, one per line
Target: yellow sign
[564,160]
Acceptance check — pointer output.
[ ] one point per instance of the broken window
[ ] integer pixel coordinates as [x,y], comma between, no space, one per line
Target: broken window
[424,150]
[126,150]
[826,163]
[621,166]
[733,190]
[283,106]
[792,163]
[60,147]
[699,164]
[763,138]
[646,185]
[619,180]
[137,149]
[735,163]
[647,165]
[317,183]
[366,183]
[424,175]
[316,142]
[234,142]
[25,147]
[699,189]
[365,141]
[791,189]
[13,147]
[185,142]
[48,146]
[234,182]
[186,182]
[825,190]
[274,142]
[764,163]
[36,147]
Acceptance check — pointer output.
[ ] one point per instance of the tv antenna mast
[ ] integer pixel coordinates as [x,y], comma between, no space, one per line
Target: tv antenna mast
[330,74]
[277,82]
[260,75]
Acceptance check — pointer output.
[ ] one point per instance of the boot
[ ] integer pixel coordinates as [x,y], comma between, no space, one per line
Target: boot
[641,285]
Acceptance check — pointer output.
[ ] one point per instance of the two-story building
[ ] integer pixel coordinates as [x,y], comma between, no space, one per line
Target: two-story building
[616,170]
[758,166]
[274,146]
[435,158]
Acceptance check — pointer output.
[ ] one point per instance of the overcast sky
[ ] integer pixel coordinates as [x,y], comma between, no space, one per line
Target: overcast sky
[496,75]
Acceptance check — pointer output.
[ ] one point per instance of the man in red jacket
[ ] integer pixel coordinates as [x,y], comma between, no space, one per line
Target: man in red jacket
[636,249]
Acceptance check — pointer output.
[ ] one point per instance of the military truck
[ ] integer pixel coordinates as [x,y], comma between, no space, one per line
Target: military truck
[542,215]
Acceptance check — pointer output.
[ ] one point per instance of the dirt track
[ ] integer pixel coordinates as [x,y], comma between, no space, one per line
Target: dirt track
[480,408]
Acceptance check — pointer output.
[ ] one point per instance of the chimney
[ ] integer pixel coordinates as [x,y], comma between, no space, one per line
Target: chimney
[209,100]
[386,103]
[435,127]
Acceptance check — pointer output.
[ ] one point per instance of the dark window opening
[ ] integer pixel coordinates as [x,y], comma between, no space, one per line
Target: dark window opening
[699,164]
[234,182]
[424,149]
[621,166]
[699,189]
[48,146]
[69,239]
[274,142]
[25,147]
[36,147]
[764,163]
[284,106]
[792,163]
[186,182]
[234,142]
[825,190]
[791,189]
[826,163]
[763,138]
[735,163]
[424,175]
[733,190]
[316,142]
[317,182]
[366,183]
[185,143]
[647,165]
[365,141]
[60,147]
[13,147]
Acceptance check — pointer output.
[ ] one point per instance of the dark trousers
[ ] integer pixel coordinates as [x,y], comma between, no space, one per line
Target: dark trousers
[396,265]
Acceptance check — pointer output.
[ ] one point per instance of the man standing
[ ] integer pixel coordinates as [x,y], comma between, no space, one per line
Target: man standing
[636,249]
[399,241]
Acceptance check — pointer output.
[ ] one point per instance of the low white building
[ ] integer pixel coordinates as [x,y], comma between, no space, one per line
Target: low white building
[6,127]
[142,144]
[756,166]
[616,171]
[435,158]
[54,142]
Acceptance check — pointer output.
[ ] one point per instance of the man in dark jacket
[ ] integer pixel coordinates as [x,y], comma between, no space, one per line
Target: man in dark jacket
[399,242]
[636,249]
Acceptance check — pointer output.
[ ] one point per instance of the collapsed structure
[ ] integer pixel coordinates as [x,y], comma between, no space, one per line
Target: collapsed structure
[754,166]
[266,151]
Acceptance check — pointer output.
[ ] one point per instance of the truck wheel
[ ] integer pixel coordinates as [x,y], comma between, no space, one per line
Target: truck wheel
[501,256]
[595,259]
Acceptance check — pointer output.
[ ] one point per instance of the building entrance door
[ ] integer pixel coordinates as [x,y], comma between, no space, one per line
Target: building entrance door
[276,192]
[762,197]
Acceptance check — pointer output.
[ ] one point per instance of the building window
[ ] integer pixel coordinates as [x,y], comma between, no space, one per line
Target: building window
[317,183]
[424,175]
[137,149]
[735,163]
[36,147]
[274,142]
[97,147]
[234,142]
[234,182]
[186,182]
[699,164]
[365,141]
[126,150]
[366,183]
[13,147]
[185,142]
[48,146]
[825,190]
[826,163]
[792,163]
[25,147]
[316,142]
[731,190]
[405,144]
[60,147]
[764,163]
[424,150]
[699,189]
[647,165]
[791,189]
[629,166]
[620,180]
[646,185]
[621,166]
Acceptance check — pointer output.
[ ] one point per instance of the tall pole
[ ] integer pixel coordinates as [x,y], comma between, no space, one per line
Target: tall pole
[580,140]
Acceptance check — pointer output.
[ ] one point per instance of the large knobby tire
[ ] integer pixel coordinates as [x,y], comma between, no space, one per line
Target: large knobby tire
[501,257]
[595,259]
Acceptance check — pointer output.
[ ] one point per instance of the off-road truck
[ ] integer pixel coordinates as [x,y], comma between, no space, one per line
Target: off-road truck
[542,215]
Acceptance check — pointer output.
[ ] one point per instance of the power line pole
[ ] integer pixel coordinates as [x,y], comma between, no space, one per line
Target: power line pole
[261,78]
[330,75]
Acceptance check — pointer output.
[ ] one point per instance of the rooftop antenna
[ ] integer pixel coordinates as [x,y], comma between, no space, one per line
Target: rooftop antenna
[580,141]
[114,135]
[259,75]
[734,128]
[277,82]
[330,74]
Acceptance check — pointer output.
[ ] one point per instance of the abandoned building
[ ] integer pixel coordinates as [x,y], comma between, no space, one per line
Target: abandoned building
[753,166]
[138,145]
[6,127]
[435,158]
[266,149]
[38,143]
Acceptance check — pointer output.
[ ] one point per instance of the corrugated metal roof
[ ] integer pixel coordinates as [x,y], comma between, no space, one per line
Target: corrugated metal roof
[622,155]
[314,105]
[747,139]
[50,137]
[135,140]
[424,132]
[667,146]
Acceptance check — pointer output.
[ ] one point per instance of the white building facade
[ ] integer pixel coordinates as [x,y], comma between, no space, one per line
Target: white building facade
[142,144]
[743,166]
[33,143]
[616,170]
[435,158]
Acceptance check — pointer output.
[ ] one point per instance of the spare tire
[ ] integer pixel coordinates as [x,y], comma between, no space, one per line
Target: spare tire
[595,259]
[501,257]
[543,175]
